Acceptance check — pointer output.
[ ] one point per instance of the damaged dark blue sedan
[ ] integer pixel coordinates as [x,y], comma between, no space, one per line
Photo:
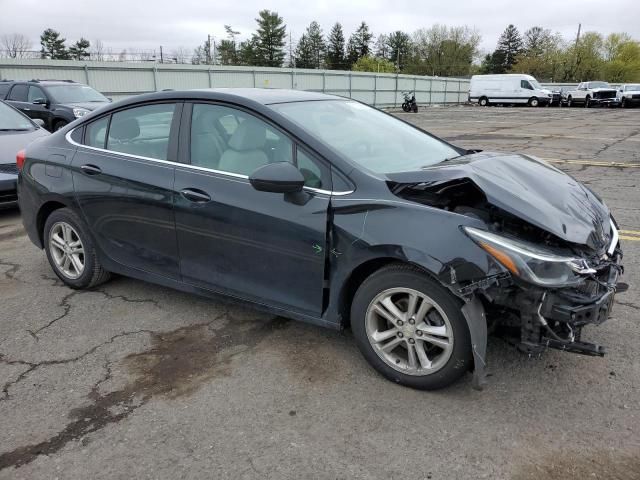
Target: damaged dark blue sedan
[325,210]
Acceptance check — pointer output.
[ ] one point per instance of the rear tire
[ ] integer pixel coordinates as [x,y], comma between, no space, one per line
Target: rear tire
[410,328]
[569,101]
[406,107]
[414,108]
[483,101]
[70,251]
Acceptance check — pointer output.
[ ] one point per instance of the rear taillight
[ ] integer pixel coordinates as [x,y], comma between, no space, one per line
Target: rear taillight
[20,157]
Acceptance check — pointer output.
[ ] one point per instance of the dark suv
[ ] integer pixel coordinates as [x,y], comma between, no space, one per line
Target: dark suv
[56,102]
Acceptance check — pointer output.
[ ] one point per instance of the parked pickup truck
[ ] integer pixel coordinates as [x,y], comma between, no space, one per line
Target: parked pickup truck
[629,94]
[592,93]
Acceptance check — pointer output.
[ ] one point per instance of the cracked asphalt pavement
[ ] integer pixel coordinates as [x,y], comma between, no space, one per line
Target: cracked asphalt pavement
[134,380]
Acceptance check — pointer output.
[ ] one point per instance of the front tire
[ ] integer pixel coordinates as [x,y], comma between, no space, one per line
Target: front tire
[534,102]
[410,328]
[70,251]
[414,108]
[587,102]
[623,103]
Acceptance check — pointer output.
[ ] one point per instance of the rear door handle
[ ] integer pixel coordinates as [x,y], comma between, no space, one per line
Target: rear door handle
[91,169]
[195,195]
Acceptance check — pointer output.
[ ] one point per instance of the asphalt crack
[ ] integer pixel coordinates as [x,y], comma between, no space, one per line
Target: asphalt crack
[12,270]
[177,363]
[32,366]
[67,307]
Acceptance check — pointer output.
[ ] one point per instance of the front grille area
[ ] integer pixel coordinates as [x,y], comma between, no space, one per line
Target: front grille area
[605,94]
[9,168]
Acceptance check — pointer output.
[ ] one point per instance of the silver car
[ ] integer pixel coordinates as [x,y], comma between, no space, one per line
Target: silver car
[16,132]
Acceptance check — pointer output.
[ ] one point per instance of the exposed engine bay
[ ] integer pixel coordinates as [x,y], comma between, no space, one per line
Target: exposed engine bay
[551,287]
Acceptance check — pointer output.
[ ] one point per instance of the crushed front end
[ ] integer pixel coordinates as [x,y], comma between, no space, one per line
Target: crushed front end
[553,258]
[551,292]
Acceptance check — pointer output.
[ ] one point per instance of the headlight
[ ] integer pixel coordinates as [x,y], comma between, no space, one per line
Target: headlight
[80,112]
[529,262]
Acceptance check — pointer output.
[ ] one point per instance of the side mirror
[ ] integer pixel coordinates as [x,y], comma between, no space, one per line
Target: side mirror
[279,177]
[39,122]
[40,101]
[110,99]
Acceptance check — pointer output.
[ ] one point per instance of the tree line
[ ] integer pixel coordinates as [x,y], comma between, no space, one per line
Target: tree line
[549,57]
[438,50]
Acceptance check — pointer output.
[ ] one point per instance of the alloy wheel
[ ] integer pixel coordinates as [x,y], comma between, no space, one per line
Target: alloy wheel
[67,250]
[409,331]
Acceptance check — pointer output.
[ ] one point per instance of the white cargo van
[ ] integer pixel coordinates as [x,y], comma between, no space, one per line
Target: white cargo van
[508,88]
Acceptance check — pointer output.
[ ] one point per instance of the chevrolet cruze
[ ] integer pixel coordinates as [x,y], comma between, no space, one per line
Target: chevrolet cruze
[325,210]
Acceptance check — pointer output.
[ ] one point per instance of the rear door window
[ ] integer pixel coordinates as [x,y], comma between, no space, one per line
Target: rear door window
[19,93]
[142,131]
[96,133]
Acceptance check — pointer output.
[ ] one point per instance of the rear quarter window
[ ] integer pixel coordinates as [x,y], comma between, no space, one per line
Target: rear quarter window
[4,88]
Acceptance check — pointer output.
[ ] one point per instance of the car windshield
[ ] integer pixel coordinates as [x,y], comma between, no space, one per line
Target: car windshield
[598,84]
[12,120]
[633,87]
[369,137]
[75,94]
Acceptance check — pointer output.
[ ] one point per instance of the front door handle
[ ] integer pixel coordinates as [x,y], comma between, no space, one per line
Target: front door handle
[195,195]
[91,169]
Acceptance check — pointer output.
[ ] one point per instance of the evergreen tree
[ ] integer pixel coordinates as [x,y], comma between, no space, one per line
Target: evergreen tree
[510,45]
[80,49]
[304,54]
[227,50]
[53,46]
[248,52]
[317,45]
[335,49]
[399,48]
[359,43]
[270,36]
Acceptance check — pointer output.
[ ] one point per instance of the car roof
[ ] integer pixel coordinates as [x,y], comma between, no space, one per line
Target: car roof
[263,96]
[43,82]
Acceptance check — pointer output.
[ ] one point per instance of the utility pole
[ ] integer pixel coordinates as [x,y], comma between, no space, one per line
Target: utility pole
[208,49]
[161,57]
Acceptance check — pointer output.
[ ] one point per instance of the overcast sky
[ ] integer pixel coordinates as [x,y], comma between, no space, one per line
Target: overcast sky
[144,24]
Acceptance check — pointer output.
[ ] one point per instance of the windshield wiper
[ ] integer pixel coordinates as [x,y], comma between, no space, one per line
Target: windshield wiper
[14,129]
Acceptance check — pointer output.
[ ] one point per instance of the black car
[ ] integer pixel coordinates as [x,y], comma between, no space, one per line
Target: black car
[323,209]
[55,102]
[16,132]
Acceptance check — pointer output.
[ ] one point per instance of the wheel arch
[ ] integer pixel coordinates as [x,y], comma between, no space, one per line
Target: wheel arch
[45,210]
[360,273]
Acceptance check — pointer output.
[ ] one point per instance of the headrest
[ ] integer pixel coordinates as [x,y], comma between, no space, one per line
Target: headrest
[204,123]
[250,135]
[126,129]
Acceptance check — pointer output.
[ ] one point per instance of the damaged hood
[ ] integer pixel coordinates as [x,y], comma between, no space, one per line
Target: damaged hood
[530,189]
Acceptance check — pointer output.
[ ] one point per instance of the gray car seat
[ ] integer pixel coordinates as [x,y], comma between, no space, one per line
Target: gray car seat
[207,145]
[245,153]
